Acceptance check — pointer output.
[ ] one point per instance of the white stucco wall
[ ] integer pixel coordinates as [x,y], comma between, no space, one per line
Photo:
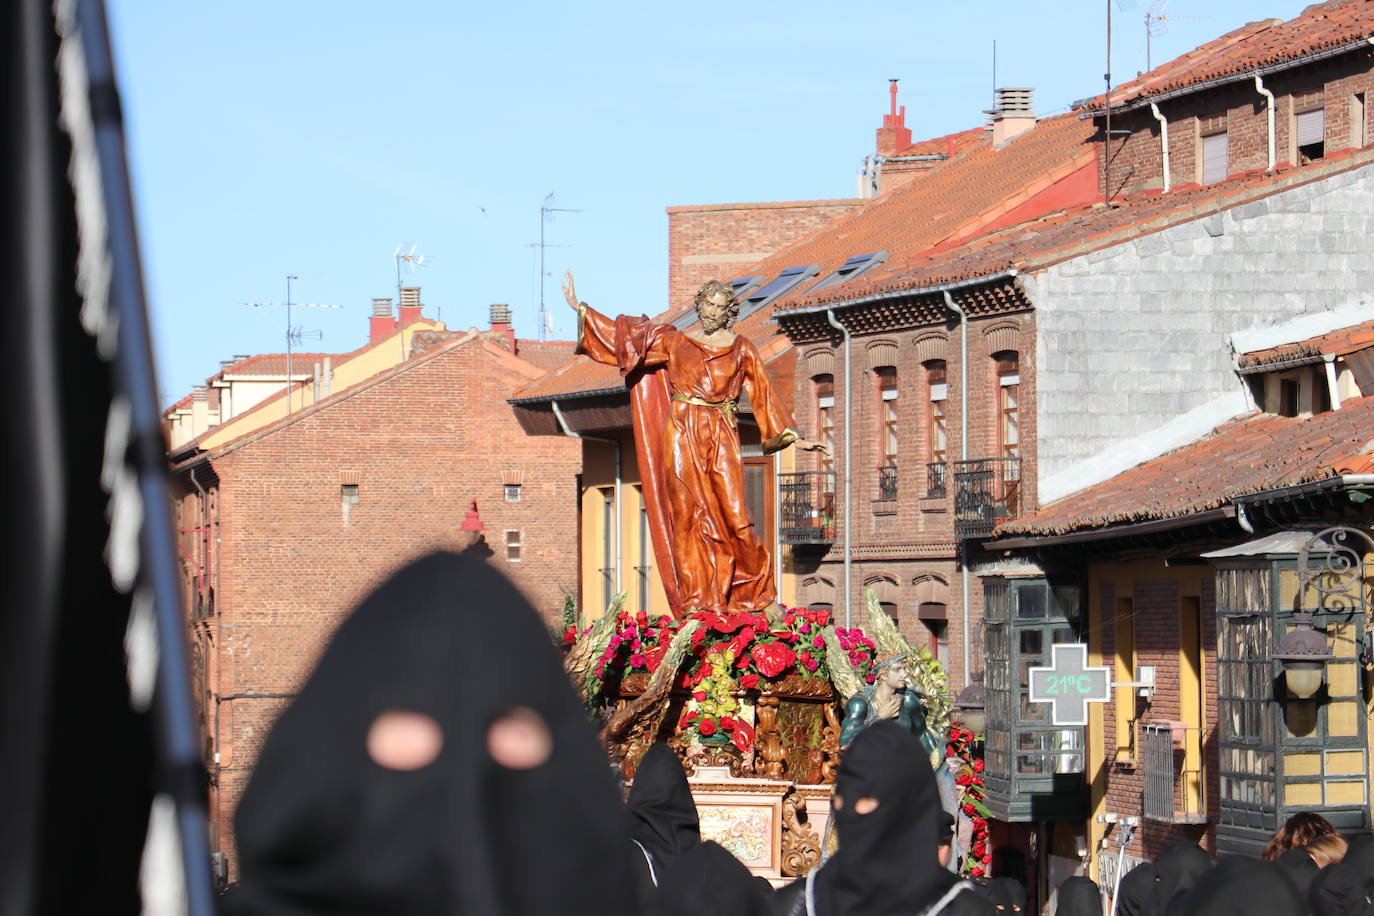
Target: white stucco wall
[1133,355]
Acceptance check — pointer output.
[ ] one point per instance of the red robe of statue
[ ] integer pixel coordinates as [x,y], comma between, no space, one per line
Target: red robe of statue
[683,397]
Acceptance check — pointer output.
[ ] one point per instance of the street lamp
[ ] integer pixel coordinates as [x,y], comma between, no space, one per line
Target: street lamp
[972,704]
[1304,655]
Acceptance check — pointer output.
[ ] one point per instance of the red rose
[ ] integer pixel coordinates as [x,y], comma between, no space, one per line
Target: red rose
[707,727]
[743,661]
[692,716]
[749,680]
[727,723]
[699,696]
[978,765]
[741,640]
[976,871]
[653,656]
[968,808]
[773,658]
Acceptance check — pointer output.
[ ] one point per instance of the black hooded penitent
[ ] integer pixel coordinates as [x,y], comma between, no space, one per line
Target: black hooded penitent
[886,863]
[663,817]
[322,828]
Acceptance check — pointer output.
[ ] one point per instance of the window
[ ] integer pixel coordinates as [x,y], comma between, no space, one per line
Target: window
[1008,403]
[513,546]
[887,415]
[742,285]
[784,282]
[851,269]
[1026,754]
[607,546]
[1359,120]
[1290,391]
[512,492]
[1309,130]
[938,439]
[825,419]
[1214,158]
[645,568]
[348,493]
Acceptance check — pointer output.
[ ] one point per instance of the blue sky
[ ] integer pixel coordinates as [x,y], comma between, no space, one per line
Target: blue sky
[311,138]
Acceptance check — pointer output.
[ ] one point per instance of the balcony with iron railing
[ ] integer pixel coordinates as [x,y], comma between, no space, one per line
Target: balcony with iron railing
[887,483]
[937,477]
[1175,787]
[986,491]
[806,504]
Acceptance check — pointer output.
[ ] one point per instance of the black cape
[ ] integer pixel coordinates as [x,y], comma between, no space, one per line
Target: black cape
[708,881]
[886,864]
[1178,868]
[1135,894]
[1240,886]
[663,817]
[1079,896]
[322,828]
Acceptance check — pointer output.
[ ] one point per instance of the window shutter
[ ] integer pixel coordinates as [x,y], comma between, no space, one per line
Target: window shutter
[1214,156]
[1311,126]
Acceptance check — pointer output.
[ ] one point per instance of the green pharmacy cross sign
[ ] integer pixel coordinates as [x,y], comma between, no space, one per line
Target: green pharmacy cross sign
[1069,685]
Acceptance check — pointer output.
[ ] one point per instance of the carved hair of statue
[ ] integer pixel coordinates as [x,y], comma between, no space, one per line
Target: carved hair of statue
[711,288]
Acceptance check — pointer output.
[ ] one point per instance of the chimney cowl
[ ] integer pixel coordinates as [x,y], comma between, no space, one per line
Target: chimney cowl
[500,313]
[410,297]
[381,307]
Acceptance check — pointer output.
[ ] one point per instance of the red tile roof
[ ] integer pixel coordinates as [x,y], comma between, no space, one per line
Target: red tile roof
[1255,453]
[958,198]
[1339,343]
[949,145]
[546,354]
[1256,45]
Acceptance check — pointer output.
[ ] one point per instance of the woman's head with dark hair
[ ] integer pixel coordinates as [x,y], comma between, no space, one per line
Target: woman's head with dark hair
[712,288]
[1299,830]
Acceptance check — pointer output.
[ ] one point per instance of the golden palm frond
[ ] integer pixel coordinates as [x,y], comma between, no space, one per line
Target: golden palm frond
[581,661]
[642,717]
[923,669]
[842,674]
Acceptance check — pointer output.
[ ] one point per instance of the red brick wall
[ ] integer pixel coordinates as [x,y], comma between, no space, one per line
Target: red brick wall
[721,241]
[913,537]
[293,559]
[1137,160]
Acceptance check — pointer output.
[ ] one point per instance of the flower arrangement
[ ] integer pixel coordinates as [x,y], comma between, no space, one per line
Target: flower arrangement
[861,651]
[968,777]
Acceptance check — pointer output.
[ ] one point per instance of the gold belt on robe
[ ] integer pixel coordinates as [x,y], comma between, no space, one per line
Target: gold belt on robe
[729,408]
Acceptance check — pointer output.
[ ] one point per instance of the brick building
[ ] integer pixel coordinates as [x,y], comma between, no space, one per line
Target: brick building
[285,526]
[1190,570]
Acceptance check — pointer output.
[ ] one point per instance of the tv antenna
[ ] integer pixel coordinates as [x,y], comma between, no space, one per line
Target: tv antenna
[545,217]
[294,334]
[1156,24]
[411,262]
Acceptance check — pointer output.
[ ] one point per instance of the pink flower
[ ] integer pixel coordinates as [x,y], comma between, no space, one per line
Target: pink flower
[804,627]
[636,661]
[818,641]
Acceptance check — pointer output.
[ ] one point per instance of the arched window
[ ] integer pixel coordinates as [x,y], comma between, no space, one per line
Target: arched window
[825,418]
[1008,403]
[887,432]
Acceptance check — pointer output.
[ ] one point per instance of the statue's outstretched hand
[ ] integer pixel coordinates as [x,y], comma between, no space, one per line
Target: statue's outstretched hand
[570,293]
[807,445]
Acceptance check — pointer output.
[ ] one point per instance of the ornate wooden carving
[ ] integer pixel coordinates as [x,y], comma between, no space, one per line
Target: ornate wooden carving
[801,848]
[769,759]
[715,757]
[830,744]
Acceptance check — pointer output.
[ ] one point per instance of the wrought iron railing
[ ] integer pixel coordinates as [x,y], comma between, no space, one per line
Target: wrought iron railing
[986,491]
[937,478]
[1175,792]
[806,502]
[887,483]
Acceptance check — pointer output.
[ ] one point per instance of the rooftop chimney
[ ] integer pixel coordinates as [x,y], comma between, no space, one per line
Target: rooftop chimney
[383,322]
[1012,114]
[410,304]
[893,136]
[500,322]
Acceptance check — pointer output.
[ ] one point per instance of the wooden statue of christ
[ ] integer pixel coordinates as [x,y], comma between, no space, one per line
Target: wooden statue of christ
[685,389]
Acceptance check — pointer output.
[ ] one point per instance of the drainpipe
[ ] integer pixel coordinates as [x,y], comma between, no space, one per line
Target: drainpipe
[1269,107]
[963,454]
[848,479]
[567,431]
[1332,388]
[1163,142]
